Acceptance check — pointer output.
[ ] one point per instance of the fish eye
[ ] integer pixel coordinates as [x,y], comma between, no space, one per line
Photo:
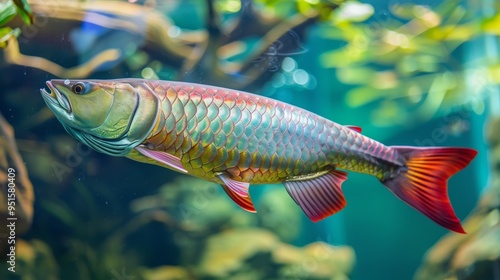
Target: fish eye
[78,88]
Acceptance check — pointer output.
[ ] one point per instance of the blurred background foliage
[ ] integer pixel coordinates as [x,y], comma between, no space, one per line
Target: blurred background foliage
[8,10]
[409,61]
[396,65]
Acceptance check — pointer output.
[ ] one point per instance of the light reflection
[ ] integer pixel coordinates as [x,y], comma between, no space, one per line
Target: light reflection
[289,64]
[396,39]
[300,77]
[278,80]
[173,31]
[414,94]
[429,18]
[149,73]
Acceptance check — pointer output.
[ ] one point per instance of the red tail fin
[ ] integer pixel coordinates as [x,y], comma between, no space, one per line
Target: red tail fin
[424,184]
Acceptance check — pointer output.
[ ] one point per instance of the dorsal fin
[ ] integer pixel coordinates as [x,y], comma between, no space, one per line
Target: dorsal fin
[355,128]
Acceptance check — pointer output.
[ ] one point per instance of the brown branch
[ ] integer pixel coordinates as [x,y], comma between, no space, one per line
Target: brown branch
[198,55]
[280,37]
[24,196]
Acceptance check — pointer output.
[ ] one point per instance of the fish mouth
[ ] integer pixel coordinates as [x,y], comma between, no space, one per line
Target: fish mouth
[55,99]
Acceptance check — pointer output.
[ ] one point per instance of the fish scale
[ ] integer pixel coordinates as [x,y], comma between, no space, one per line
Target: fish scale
[248,126]
[235,138]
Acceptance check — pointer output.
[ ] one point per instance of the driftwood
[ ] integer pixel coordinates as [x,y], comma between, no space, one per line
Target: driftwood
[198,55]
[24,196]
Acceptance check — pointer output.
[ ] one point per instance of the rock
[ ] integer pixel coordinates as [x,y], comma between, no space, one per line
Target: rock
[227,252]
[34,260]
[254,253]
[317,260]
[217,240]
[166,273]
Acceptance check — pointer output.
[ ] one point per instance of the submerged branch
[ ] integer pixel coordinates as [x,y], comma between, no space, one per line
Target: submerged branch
[14,56]
[24,196]
[199,55]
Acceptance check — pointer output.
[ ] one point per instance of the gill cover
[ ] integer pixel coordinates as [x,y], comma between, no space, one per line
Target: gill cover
[109,116]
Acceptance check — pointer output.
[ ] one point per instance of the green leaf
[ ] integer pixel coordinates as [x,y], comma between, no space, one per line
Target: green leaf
[389,113]
[63,213]
[7,11]
[355,75]
[24,10]
[6,33]
[354,12]
[228,6]
[492,25]
[361,96]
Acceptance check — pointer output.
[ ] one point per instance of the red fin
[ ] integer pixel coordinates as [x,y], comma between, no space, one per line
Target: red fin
[424,184]
[163,157]
[240,188]
[244,202]
[319,197]
[355,128]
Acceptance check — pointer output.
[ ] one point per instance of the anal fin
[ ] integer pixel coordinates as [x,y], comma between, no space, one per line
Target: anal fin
[319,197]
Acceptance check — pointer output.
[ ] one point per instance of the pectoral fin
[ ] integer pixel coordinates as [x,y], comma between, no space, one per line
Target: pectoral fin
[165,158]
[319,197]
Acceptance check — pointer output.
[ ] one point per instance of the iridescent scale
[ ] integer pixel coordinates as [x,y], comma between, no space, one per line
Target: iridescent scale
[256,139]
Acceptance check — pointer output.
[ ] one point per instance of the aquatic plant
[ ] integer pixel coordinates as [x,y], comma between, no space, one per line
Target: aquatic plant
[403,57]
[144,42]
[8,10]
[217,240]
[405,60]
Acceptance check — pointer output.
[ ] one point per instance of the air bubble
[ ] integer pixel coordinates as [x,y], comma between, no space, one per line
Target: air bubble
[300,77]
[289,64]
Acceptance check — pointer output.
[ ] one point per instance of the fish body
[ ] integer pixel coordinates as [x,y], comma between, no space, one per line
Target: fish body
[255,139]
[236,139]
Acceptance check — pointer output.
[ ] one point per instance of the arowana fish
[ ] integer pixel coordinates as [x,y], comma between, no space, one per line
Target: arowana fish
[235,139]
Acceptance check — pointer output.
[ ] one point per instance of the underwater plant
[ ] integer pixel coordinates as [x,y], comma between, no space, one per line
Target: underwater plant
[145,42]
[8,10]
[216,240]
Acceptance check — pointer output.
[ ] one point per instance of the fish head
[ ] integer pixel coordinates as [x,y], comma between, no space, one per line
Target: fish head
[109,116]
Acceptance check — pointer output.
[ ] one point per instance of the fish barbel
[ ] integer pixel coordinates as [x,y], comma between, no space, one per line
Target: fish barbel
[235,139]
